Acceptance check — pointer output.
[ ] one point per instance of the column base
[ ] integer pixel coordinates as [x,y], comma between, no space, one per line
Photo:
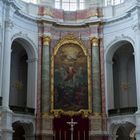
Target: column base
[137,134]
[7,134]
[29,137]
[95,123]
[6,123]
[47,136]
[46,132]
[99,138]
[98,128]
[99,135]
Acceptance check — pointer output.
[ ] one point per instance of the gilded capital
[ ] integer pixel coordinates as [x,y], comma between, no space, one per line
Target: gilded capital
[97,114]
[45,114]
[95,41]
[46,40]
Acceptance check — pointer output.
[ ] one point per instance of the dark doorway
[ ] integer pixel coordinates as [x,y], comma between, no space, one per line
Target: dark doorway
[19,132]
[62,130]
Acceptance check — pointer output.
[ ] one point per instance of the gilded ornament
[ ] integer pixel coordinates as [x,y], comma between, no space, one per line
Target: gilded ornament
[48,12]
[95,42]
[46,40]
[45,114]
[124,86]
[69,40]
[18,85]
[97,114]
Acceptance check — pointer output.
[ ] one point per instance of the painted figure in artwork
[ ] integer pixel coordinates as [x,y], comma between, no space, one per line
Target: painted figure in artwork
[70,78]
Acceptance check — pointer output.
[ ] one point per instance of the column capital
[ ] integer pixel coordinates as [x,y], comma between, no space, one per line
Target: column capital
[46,40]
[95,41]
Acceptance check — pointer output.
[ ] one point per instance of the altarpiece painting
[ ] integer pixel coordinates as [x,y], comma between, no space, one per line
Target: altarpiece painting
[70,83]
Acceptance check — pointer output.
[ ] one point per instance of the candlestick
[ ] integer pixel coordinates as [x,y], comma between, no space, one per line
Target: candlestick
[60,135]
[65,133]
[54,135]
[78,135]
[84,135]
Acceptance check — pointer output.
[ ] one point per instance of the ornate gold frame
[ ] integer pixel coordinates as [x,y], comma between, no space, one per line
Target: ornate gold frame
[70,38]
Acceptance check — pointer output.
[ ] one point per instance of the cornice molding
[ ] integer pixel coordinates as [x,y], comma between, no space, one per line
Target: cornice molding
[26,16]
[11,3]
[116,19]
[122,17]
[57,22]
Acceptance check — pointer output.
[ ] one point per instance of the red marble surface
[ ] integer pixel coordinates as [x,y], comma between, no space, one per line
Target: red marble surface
[69,15]
[38,123]
[73,15]
[82,14]
[57,13]
[40,10]
[104,125]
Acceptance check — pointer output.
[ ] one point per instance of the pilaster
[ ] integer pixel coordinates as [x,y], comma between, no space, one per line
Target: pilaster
[6,64]
[6,112]
[136,29]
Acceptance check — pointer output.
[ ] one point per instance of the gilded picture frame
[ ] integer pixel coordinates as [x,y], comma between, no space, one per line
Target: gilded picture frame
[68,50]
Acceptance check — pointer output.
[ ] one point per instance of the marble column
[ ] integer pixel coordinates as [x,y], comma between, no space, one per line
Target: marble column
[46,75]
[95,119]
[96,76]
[6,113]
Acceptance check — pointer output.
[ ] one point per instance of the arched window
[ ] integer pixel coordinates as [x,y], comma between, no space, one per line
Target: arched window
[70,5]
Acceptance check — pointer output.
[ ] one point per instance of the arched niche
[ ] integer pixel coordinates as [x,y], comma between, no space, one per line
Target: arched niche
[126,132]
[18,76]
[23,131]
[23,76]
[120,78]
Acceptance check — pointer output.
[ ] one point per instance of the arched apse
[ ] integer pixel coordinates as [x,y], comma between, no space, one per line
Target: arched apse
[24,56]
[22,130]
[120,76]
[123,131]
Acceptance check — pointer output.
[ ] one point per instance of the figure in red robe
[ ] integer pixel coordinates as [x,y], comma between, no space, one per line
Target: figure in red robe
[70,73]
